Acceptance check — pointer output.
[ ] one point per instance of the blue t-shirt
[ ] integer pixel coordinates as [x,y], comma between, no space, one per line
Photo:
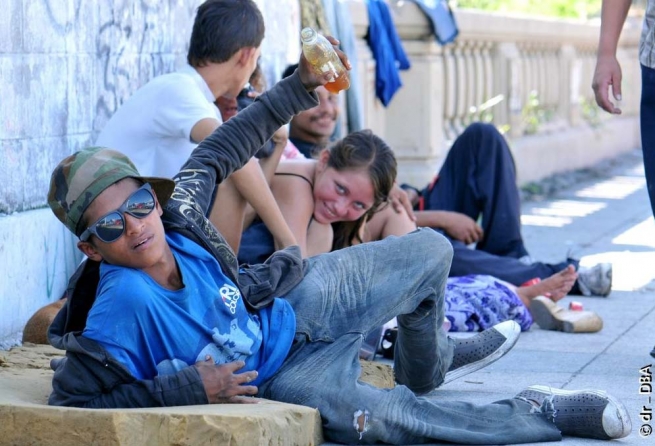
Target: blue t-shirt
[155,331]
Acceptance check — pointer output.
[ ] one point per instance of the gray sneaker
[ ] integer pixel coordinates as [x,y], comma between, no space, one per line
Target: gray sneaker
[475,352]
[581,413]
[595,280]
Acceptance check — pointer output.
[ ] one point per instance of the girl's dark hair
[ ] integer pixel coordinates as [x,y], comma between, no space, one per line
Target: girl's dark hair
[223,27]
[363,150]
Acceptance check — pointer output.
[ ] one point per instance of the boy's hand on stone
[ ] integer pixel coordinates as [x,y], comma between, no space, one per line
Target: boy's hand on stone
[309,78]
[222,385]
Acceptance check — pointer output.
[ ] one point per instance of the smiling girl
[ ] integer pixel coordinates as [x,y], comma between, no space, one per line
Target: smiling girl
[326,201]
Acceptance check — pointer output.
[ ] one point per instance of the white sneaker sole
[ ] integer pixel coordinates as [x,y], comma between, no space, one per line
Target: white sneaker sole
[616,420]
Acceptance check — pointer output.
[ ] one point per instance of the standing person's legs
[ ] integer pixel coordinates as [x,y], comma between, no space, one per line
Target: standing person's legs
[647,129]
[647,112]
[479,177]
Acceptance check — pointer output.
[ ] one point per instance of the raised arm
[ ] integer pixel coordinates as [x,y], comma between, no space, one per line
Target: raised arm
[232,144]
[608,70]
[246,188]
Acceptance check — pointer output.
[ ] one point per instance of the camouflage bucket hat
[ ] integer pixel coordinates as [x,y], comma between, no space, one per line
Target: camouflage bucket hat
[81,177]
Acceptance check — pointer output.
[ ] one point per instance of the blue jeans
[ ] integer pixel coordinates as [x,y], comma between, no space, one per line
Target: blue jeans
[478,179]
[347,293]
[647,111]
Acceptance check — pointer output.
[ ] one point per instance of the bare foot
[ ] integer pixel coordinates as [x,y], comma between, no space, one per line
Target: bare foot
[555,287]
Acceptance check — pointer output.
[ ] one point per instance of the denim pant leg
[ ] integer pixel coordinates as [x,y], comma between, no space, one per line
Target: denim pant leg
[647,130]
[324,375]
[354,290]
[473,261]
[478,178]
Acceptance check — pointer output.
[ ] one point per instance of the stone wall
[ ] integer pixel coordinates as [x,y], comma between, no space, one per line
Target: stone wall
[66,67]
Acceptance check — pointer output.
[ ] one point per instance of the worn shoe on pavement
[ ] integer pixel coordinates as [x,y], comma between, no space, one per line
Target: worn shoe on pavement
[581,413]
[550,316]
[475,352]
[595,280]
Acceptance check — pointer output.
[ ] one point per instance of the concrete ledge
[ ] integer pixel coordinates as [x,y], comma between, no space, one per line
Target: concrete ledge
[538,156]
[25,383]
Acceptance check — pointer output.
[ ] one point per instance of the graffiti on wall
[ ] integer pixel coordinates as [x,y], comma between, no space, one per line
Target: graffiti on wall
[137,40]
[61,18]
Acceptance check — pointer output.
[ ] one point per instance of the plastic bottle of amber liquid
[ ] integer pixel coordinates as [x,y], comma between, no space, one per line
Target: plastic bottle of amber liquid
[324,59]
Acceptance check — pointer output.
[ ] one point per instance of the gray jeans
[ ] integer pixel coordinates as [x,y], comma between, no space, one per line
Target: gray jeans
[347,293]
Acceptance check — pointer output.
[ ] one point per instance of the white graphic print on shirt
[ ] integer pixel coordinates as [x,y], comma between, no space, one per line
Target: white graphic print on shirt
[230,296]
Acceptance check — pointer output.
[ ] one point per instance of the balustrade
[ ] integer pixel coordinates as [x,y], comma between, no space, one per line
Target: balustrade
[530,77]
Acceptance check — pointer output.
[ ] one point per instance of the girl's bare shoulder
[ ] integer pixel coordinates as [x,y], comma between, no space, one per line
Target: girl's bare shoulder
[303,167]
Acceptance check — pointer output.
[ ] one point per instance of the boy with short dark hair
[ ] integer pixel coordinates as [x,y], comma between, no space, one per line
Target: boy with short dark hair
[163,121]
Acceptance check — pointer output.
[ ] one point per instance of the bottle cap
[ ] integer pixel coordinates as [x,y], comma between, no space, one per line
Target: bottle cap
[308,35]
[576,306]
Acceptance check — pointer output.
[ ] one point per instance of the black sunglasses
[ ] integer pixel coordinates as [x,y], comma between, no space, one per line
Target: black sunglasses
[111,226]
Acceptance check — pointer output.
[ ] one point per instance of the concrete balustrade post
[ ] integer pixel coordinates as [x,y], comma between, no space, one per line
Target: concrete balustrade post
[570,73]
[417,138]
[508,82]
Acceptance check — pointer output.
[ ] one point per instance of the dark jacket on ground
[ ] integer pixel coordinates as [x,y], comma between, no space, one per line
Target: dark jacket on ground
[89,376]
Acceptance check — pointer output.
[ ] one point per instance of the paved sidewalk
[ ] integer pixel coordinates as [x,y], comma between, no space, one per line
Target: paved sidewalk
[607,219]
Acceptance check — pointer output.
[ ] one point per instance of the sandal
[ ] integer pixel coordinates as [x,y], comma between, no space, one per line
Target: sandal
[550,316]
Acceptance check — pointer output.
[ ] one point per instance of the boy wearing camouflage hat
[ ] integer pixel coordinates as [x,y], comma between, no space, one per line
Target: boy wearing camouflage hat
[161,314]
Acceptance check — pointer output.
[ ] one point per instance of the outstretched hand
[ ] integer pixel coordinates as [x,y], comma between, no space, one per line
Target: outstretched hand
[309,78]
[607,73]
[223,385]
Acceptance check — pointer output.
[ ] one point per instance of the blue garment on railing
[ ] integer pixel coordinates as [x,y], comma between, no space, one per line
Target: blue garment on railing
[387,51]
[441,18]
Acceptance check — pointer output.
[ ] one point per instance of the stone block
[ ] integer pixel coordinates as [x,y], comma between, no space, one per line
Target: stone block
[82,91]
[11,28]
[46,25]
[14,92]
[39,157]
[13,171]
[378,374]
[44,95]
[38,256]
[25,418]
[181,20]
